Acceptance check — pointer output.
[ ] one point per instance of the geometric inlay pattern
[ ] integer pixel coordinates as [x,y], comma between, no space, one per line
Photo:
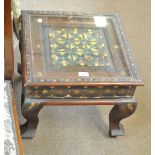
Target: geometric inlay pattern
[77,92]
[78,46]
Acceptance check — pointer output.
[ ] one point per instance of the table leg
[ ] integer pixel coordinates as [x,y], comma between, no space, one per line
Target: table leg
[118,113]
[30,112]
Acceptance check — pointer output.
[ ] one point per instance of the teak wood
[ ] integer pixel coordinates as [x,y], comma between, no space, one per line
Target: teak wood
[75,59]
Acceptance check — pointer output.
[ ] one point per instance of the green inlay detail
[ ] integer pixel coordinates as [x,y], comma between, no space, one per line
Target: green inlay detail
[78,46]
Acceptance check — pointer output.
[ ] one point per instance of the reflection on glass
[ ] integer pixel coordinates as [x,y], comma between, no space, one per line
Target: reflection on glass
[66,46]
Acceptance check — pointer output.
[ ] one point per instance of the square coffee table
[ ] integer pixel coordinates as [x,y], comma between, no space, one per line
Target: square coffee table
[76,59]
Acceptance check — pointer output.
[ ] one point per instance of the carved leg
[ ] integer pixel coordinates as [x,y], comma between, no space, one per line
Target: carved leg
[118,113]
[30,112]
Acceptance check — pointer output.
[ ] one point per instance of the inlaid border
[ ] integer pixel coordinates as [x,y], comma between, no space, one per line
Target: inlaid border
[121,37]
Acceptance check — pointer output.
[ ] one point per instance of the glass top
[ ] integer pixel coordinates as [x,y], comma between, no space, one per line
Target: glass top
[67,47]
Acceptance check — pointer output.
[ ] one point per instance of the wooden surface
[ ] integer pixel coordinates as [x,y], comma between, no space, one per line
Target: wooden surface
[85,102]
[39,75]
[8,45]
[20,146]
[63,135]
[34,51]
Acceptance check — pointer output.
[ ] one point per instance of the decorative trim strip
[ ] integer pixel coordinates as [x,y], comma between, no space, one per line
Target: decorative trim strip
[77,92]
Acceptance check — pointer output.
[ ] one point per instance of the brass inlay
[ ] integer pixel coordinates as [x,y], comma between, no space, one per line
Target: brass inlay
[31,105]
[67,96]
[130,106]
[108,91]
[55,58]
[103,45]
[51,35]
[77,46]
[39,74]
[105,55]
[127,95]
[54,45]
[96,64]
[82,63]
[64,63]
[116,46]
[44,91]
[77,91]
[38,46]
[91,91]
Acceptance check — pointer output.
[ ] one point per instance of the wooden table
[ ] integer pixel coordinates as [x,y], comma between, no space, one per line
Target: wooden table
[76,59]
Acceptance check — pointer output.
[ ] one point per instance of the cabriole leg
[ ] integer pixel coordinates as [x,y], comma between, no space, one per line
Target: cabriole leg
[30,112]
[118,113]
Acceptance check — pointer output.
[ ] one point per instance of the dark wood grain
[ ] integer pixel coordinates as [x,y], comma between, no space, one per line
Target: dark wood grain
[32,30]
[118,113]
[31,108]
[30,112]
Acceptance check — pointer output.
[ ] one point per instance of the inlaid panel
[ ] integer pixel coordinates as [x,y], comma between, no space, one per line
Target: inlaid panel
[76,46]
[77,92]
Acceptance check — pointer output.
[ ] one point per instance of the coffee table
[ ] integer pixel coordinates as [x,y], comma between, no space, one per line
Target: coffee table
[76,59]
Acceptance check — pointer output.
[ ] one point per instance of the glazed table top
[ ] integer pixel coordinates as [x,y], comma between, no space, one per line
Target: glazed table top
[76,48]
